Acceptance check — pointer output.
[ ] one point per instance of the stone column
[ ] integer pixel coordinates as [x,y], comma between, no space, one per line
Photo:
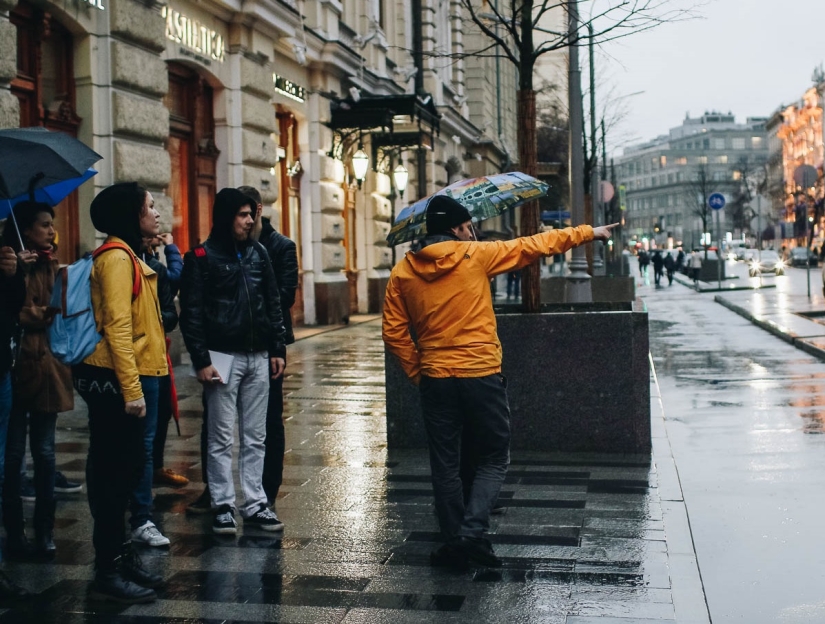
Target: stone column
[379,258]
[258,124]
[9,106]
[139,120]
[331,288]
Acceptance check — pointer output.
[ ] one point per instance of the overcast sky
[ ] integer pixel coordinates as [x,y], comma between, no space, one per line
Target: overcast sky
[743,56]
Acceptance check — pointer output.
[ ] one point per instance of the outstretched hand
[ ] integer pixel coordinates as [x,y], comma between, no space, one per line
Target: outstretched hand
[602,232]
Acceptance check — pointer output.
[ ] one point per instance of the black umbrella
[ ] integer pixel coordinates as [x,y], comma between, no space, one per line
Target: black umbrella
[33,158]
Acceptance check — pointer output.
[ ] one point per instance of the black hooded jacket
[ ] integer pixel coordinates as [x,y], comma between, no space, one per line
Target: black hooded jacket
[229,296]
[283,254]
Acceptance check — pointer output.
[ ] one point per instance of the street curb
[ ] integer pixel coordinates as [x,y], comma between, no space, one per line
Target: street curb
[800,343]
[686,585]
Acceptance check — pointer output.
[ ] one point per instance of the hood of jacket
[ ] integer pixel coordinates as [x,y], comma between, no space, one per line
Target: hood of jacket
[228,202]
[440,254]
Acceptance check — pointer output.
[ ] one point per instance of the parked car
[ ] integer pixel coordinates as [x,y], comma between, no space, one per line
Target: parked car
[768,262]
[747,254]
[799,257]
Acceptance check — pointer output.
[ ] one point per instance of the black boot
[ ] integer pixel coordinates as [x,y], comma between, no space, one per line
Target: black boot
[10,592]
[477,550]
[131,567]
[44,543]
[111,586]
[19,548]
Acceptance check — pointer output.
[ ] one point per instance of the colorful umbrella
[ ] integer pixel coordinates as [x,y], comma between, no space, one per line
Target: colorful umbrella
[484,197]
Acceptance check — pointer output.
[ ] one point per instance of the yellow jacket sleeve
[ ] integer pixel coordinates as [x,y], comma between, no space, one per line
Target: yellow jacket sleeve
[395,330]
[115,275]
[504,256]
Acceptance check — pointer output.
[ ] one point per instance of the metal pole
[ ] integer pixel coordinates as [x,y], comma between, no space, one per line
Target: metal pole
[808,251]
[718,252]
[595,199]
[578,282]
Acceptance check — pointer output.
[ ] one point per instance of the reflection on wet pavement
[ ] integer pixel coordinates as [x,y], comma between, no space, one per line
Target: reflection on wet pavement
[582,536]
[743,412]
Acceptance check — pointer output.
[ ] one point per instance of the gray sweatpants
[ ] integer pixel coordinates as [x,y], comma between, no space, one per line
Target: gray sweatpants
[244,394]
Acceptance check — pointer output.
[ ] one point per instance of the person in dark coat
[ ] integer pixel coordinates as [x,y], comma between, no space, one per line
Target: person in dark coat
[658,265]
[670,267]
[42,387]
[12,297]
[644,261]
[284,258]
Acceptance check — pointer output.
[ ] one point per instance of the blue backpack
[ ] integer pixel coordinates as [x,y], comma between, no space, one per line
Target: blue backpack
[73,333]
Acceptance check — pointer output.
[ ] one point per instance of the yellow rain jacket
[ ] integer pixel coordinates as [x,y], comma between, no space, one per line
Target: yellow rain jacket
[443,293]
[133,341]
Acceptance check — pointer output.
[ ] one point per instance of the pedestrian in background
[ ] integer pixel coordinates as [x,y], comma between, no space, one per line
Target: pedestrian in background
[12,297]
[442,292]
[284,258]
[658,266]
[42,387]
[670,267]
[230,307]
[644,261]
[119,383]
[695,265]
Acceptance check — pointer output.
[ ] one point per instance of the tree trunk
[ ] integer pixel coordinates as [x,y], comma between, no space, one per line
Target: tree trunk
[530,276]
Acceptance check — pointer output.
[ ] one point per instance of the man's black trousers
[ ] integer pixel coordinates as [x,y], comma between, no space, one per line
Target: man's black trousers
[449,405]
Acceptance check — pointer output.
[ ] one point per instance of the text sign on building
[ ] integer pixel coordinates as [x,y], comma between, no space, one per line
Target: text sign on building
[193,36]
[288,88]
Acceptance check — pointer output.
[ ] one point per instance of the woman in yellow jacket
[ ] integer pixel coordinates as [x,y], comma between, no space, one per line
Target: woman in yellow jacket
[119,383]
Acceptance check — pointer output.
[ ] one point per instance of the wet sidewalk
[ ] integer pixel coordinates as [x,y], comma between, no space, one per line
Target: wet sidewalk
[585,539]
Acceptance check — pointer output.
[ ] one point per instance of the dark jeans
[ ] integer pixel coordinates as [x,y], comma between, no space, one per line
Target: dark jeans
[164,416]
[116,457]
[40,426]
[140,502]
[5,411]
[449,405]
[275,440]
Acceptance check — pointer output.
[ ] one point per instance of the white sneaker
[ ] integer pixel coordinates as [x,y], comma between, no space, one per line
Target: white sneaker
[148,534]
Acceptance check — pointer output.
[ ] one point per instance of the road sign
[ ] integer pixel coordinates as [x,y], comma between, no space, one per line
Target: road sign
[716,201]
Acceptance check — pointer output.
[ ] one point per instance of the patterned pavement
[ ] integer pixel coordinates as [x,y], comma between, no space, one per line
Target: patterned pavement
[583,537]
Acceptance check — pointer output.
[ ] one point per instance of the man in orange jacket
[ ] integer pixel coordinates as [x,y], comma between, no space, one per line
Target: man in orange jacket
[442,292]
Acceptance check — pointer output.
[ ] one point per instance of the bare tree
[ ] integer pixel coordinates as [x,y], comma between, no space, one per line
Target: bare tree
[521,31]
[699,188]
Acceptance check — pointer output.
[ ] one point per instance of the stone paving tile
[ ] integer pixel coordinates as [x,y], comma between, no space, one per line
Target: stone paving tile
[581,535]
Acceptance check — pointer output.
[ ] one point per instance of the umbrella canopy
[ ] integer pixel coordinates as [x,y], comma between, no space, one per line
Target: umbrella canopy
[484,197]
[32,158]
[51,195]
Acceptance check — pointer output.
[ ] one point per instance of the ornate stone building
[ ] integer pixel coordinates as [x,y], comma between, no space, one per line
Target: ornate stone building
[188,97]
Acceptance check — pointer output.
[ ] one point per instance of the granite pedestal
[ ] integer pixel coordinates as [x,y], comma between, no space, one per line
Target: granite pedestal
[577,381]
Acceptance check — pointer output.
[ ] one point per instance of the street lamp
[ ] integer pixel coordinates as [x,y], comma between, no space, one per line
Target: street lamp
[360,164]
[401,176]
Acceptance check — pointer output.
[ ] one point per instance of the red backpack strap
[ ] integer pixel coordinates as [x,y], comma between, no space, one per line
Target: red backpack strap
[136,281]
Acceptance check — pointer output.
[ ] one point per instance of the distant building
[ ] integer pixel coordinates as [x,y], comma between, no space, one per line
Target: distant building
[664,180]
[795,138]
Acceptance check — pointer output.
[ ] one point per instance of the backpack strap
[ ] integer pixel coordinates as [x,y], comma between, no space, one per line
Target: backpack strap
[136,281]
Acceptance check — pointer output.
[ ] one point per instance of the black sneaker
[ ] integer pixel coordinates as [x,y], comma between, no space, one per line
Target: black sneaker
[224,522]
[63,486]
[477,549]
[132,569]
[202,504]
[265,519]
[111,586]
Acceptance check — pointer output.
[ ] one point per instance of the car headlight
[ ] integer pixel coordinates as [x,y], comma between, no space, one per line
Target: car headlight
[755,266]
[779,265]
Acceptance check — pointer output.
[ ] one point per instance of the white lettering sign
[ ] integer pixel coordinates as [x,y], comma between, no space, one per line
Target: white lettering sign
[192,34]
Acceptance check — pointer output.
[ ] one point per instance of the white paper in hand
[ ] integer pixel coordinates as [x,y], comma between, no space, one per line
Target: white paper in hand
[222,363]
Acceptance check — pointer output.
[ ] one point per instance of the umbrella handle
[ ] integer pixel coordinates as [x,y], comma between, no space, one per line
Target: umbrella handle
[17,229]
[32,183]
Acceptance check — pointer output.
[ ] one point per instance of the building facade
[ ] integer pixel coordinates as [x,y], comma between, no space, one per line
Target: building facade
[188,97]
[795,139]
[665,182]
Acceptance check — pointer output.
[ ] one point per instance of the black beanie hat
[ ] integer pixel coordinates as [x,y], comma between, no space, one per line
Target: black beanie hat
[444,213]
[116,211]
